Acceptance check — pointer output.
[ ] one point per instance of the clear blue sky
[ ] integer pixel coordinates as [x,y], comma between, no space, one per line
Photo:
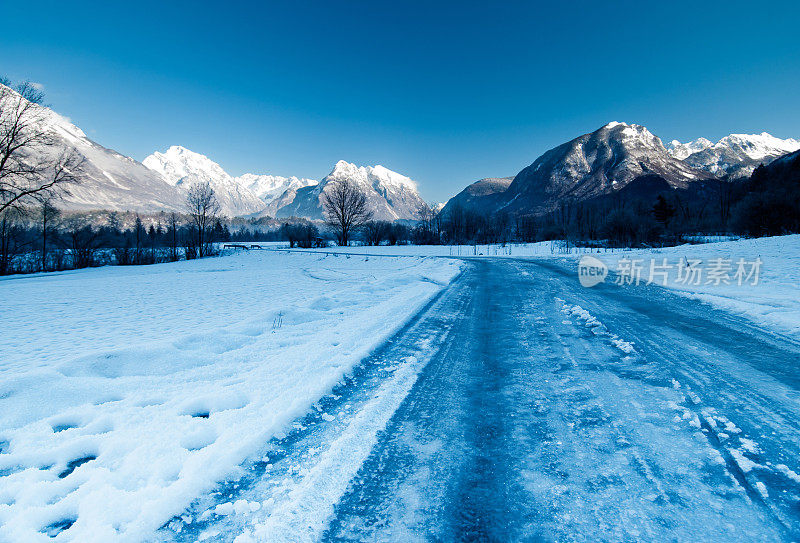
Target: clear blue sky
[446,93]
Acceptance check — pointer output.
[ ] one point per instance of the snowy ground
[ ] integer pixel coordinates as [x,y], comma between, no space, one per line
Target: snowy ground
[255,396]
[774,302]
[521,406]
[125,393]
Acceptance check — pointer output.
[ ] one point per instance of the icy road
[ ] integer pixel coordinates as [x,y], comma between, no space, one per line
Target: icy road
[518,405]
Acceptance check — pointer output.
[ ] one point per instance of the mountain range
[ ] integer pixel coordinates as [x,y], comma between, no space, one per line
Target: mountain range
[616,157]
[114,182]
[619,157]
[183,168]
[274,190]
[390,196]
[734,156]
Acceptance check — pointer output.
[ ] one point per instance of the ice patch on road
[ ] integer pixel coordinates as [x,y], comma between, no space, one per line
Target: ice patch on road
[622,345]
[749,445]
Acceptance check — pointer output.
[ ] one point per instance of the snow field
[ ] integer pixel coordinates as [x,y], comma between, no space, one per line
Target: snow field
[125,393]
[774,302]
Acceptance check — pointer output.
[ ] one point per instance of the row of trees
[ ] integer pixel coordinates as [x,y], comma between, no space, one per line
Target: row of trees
[44,239]
[307,235]
[766,204]
[770,203]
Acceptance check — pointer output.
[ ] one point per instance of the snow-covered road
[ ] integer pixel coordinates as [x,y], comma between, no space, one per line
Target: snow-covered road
[520,406]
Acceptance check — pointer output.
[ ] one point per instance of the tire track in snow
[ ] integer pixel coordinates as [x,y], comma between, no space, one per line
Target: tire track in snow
[527,427]
[733,458]
[289,493]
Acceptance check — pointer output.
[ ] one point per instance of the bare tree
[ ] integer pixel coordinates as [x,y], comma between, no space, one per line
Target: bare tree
[426,213]
[345,208]
[173,236]
[47,214]
[28,171]
[138,232]
[376,231]
[10,242]
[203,209]
[429,225]
[82,240]
[725,198]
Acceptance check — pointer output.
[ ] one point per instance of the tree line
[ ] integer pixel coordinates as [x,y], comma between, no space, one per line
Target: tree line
[646,213]
[46,239]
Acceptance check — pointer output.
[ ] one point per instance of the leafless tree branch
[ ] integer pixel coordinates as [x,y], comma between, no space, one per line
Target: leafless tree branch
[345,208]
[203,208]
[32,167]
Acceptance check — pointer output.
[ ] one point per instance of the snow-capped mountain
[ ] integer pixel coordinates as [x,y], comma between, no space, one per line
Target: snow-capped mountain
[111,181]
[274,190]
[601,162]
[390,195]
[734,156]
[108,180]
[596,164]
[182,168]
[682,150]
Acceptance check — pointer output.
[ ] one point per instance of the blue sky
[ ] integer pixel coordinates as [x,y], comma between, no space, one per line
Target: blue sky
[446,93]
